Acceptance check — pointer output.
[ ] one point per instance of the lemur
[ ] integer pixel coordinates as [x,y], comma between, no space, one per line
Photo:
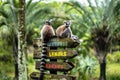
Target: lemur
[64,30]
[47,31]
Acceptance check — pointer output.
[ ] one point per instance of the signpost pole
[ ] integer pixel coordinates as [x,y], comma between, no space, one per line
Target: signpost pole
[55,60]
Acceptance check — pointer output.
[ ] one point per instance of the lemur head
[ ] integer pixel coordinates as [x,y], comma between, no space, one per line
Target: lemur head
[67,24]
[48,22]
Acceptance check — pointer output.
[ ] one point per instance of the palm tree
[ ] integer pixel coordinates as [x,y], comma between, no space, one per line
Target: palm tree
[9,23]
[22,62]
[99,21]
[35,15]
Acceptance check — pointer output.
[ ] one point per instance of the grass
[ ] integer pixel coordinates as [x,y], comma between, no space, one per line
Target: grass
[31,64]
[112,71]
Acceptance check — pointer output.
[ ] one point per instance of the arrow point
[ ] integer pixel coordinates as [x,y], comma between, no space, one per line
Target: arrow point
[70,63]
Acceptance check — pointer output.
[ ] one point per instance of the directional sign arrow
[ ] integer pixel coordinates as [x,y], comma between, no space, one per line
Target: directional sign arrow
[36,76]
[56,54]
[59,66]
[61,54]
[62,42]
[57,42]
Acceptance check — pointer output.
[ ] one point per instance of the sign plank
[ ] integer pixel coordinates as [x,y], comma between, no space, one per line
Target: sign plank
[57,42]
[56,54]
[62,42]
[61,54]
[36,76]
[59,66]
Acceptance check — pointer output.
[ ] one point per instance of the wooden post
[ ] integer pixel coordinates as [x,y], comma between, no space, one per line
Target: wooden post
[55,60]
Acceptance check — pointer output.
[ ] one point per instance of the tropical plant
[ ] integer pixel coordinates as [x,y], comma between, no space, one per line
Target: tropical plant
[3,76]
[98,20]
[86,67]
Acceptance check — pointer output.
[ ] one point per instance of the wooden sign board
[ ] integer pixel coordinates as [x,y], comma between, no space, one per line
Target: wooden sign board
[36,76]
[59,66]
[61,54]
[56,54]
[62,42]
[57,42]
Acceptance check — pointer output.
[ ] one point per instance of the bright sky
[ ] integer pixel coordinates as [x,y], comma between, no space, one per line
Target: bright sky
[81,1]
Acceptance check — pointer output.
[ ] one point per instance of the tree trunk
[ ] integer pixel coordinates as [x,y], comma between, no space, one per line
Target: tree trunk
[15,55]
[22,62]
[103,70]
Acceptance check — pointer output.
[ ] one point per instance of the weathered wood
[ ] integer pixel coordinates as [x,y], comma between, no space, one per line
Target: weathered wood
[60,42]
[55,54]
[35,76]
[61,54]
[57,66]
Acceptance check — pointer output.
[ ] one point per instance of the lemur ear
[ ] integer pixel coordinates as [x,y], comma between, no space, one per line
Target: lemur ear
[49,21]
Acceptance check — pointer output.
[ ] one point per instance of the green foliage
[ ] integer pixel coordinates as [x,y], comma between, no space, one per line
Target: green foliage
[117,57]
[30,59]
[113,71]
[113,77]
[5,51]
[3,76]
[85,67]
[114,57]
[6,70]
[110,58]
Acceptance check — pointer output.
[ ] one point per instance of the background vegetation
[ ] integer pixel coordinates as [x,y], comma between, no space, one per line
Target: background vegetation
[96,23]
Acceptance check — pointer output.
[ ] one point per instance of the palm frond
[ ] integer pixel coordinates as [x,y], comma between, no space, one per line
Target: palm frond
[81,9]
[93,9]
[28,3]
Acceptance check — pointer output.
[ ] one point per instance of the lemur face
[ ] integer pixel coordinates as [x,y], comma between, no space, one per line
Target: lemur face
[48,22]
[67,23]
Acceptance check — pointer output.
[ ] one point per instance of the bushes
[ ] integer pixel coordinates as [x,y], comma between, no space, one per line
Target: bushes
[85,67]
[113,58]
[110,58]
[3,76]
[114,77]
[117,57]
[6,58]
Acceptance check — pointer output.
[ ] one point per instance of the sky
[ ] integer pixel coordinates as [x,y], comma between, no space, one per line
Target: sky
[81,1]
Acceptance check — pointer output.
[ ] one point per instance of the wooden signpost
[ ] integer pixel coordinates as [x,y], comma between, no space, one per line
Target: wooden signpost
[55,48]
[57,66]
[35,76]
